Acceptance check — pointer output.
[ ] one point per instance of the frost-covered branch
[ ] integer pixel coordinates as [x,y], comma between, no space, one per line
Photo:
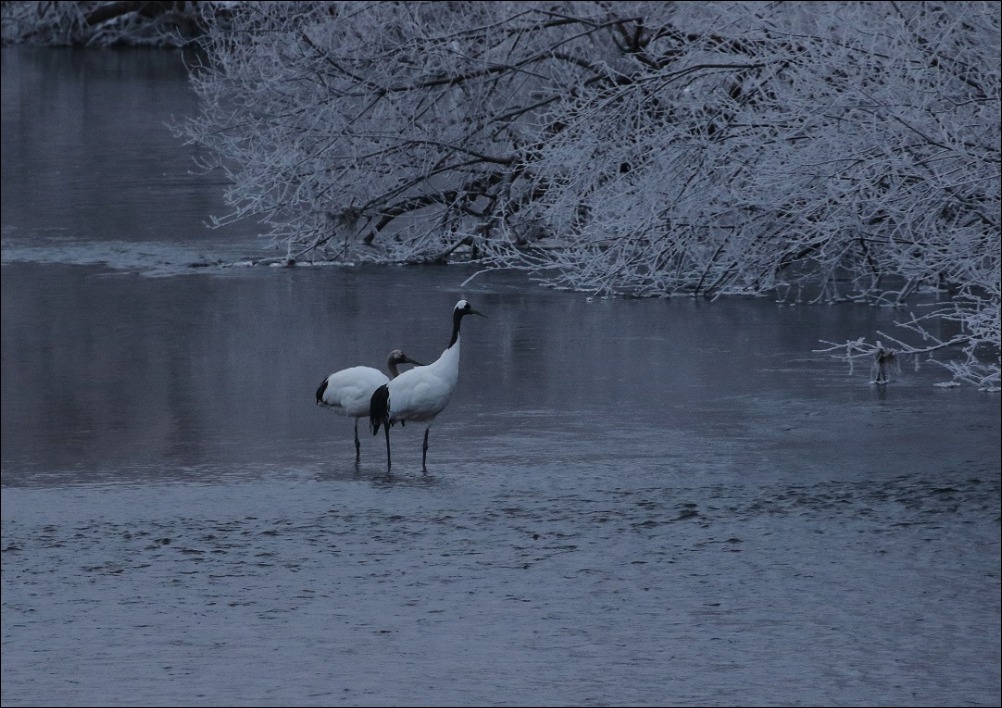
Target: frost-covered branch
[102,24]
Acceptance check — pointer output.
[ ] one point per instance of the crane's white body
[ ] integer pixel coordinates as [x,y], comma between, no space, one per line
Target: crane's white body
[349,391]
[423,392]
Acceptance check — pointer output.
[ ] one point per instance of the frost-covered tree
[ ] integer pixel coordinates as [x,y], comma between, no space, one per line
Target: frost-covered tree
[168,23]
[818,151]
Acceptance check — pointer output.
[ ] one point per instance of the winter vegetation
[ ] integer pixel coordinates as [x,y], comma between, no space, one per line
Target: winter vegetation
[103,24]
[810,152]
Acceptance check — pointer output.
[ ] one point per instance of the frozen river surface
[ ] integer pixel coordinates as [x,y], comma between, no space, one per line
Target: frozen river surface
[627,502]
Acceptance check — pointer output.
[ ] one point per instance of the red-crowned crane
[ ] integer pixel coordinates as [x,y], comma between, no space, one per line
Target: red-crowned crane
[348,391]
[421,393]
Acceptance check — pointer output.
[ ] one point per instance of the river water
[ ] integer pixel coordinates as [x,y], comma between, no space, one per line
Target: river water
[628,502]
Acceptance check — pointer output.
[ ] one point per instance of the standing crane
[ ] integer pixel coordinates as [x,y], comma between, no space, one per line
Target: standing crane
[348,391]
[421,393]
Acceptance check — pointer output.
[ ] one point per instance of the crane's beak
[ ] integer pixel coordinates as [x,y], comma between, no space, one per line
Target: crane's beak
[471,311]
[413,362]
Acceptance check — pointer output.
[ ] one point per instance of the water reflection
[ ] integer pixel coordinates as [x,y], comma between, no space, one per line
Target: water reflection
[115,374]
[90,172]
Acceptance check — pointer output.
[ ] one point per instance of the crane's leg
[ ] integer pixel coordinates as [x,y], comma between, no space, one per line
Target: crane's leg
[358,446]
[386,429]
[424,450]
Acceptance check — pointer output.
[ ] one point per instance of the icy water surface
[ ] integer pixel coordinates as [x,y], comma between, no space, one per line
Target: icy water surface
[627,502]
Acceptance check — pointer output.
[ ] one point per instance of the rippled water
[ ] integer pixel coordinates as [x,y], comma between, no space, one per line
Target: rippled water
[628,502]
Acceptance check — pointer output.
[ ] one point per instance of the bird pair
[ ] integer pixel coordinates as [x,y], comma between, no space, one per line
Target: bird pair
[418,394]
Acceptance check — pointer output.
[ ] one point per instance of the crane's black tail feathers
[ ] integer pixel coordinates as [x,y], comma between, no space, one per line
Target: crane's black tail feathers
[320,392]
[379,408]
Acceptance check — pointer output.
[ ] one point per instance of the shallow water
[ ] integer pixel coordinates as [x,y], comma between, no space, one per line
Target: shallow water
[641,502]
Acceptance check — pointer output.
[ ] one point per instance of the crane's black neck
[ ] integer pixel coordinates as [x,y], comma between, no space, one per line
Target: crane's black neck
[457,319]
